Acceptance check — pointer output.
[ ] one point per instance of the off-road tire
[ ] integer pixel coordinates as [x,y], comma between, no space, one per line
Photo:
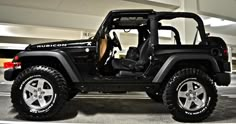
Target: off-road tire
[171,101]
[60,92]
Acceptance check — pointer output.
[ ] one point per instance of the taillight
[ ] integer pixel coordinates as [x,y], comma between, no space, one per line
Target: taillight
[8,65]
[226,54]
[11,65]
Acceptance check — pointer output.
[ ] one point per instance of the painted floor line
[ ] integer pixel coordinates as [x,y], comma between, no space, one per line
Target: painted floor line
[5,94]
[6,83]
[229,95]
[230,86]
[31,122]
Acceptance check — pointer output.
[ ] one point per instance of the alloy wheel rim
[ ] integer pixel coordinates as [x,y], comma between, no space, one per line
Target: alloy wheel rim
[38,93]
[191,95]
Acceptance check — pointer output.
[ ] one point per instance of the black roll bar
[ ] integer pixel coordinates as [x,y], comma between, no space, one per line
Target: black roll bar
[173,15]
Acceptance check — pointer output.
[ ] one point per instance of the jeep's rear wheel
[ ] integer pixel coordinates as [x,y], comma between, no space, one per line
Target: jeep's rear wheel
[39,92]
[190,95]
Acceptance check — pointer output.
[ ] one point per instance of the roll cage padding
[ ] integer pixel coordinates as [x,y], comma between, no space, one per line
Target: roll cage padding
[61,56]
[172,60]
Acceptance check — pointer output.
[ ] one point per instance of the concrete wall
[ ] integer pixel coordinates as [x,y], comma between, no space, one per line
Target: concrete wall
[215,8]
[218,8]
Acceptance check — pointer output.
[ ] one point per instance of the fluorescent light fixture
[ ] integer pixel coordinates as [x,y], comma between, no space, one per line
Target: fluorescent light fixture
[30,31]
[162,33]
[5,30]
[13,46]
[217,22]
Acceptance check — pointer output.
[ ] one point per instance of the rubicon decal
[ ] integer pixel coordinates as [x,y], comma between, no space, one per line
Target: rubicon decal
[51,45]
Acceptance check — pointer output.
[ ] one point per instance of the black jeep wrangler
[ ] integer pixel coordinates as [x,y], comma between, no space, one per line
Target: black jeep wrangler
[183,76]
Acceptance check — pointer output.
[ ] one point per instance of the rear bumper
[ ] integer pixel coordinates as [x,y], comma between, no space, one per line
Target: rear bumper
[227,66]
[223,79]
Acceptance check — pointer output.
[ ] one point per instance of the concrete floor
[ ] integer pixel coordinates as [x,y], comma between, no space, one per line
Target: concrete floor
[131,108]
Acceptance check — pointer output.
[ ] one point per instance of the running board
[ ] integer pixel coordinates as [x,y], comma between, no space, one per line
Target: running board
[109,87]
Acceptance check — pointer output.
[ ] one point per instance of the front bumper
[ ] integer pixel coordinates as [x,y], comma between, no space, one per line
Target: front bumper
[223,79]
[10,74]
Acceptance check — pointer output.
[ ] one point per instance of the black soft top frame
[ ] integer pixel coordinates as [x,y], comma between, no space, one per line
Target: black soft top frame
[173,15]
[154,18]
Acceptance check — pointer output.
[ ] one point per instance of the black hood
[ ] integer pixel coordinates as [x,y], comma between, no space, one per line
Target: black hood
[61,44]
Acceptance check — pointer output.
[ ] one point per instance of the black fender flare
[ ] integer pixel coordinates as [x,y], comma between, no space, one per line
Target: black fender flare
[172,60]
[63,58]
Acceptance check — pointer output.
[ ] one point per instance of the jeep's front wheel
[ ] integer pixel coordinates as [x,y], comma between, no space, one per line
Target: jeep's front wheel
[39,92]
[190,95]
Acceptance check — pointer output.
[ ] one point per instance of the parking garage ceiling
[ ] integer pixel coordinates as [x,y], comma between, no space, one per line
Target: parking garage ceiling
[62,19]
[91,7]
[86,14]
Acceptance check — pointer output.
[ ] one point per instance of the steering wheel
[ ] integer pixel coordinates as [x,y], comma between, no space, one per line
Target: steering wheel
[116,41]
